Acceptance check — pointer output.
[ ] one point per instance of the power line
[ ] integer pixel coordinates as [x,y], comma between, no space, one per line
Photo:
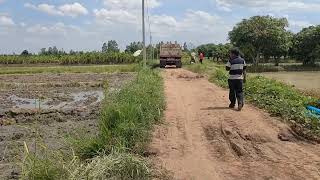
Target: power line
[144,37]
[150,30]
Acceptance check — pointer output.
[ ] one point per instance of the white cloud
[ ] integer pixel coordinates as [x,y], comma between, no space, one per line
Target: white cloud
[269,5]
[301,24]
[197,26]
[2,1]
[57,29]
[6,21]
[129,4]
[22,24]
[105,16]
[73,10]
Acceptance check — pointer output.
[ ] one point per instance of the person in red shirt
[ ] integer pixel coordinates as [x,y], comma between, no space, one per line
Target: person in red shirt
[201,57]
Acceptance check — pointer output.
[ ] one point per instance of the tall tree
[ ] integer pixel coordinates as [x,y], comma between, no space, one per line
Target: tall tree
[104,47]
[25,53]
[50,51]
[55,50]
[133,47]
[307,45]
[43,51]
[260,35]
[185,47]
[112,46]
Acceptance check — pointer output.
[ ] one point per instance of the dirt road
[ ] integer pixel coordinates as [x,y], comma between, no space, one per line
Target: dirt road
[202,139]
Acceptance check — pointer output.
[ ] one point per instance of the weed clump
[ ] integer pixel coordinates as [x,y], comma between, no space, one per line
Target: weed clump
[113,166]
[44,164]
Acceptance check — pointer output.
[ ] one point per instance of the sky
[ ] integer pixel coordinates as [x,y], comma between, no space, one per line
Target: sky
[86,24]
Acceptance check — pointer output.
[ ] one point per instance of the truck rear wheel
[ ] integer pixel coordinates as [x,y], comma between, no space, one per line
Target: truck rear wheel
[179,64]
[162,64]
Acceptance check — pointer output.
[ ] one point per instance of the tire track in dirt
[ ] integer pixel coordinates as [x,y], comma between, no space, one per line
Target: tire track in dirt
[201,139]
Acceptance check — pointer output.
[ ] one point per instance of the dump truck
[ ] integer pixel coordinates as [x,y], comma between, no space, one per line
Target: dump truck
[170,54]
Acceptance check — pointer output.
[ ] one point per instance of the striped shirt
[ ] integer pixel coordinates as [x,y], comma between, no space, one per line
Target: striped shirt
[237,66]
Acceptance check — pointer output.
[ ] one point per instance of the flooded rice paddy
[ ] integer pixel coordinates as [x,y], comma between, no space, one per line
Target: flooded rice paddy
[49,107]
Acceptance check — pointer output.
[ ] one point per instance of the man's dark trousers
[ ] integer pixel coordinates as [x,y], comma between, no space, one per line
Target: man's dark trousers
[236,91]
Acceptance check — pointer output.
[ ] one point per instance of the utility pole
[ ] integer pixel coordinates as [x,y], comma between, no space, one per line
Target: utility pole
[152,47]
[144,37]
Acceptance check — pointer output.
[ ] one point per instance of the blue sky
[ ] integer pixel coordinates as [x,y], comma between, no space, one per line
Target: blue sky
[86,24]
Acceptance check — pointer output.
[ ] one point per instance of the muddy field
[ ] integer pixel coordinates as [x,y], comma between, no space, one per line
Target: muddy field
[49,106]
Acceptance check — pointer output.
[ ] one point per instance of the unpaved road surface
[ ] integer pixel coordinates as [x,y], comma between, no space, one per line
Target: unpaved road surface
[202,139]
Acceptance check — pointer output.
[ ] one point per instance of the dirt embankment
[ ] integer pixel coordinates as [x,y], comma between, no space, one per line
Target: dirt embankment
[202,139]
[48,107]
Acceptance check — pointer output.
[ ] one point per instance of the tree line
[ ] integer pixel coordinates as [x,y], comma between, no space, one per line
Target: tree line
[265,38]
[260,39]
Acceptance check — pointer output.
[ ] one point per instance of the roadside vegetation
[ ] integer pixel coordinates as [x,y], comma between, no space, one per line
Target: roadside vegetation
[69,69]
[277,98]
[117,151]
[71,59]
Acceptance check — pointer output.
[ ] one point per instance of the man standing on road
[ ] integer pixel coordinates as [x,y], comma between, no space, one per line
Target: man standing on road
[237,77]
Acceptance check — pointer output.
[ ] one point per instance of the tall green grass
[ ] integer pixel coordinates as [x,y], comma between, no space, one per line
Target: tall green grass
[69,69]
[85,58]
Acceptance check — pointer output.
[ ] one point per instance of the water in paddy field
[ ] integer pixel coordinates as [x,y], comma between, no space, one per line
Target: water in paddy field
[81,99]
[301,80]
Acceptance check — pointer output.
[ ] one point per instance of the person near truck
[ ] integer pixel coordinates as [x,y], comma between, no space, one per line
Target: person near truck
[201,56]
[193,58]
[237,77]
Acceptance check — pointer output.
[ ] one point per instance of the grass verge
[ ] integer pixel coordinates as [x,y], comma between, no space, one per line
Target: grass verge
[116,152]
[277,98]
[69,69]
